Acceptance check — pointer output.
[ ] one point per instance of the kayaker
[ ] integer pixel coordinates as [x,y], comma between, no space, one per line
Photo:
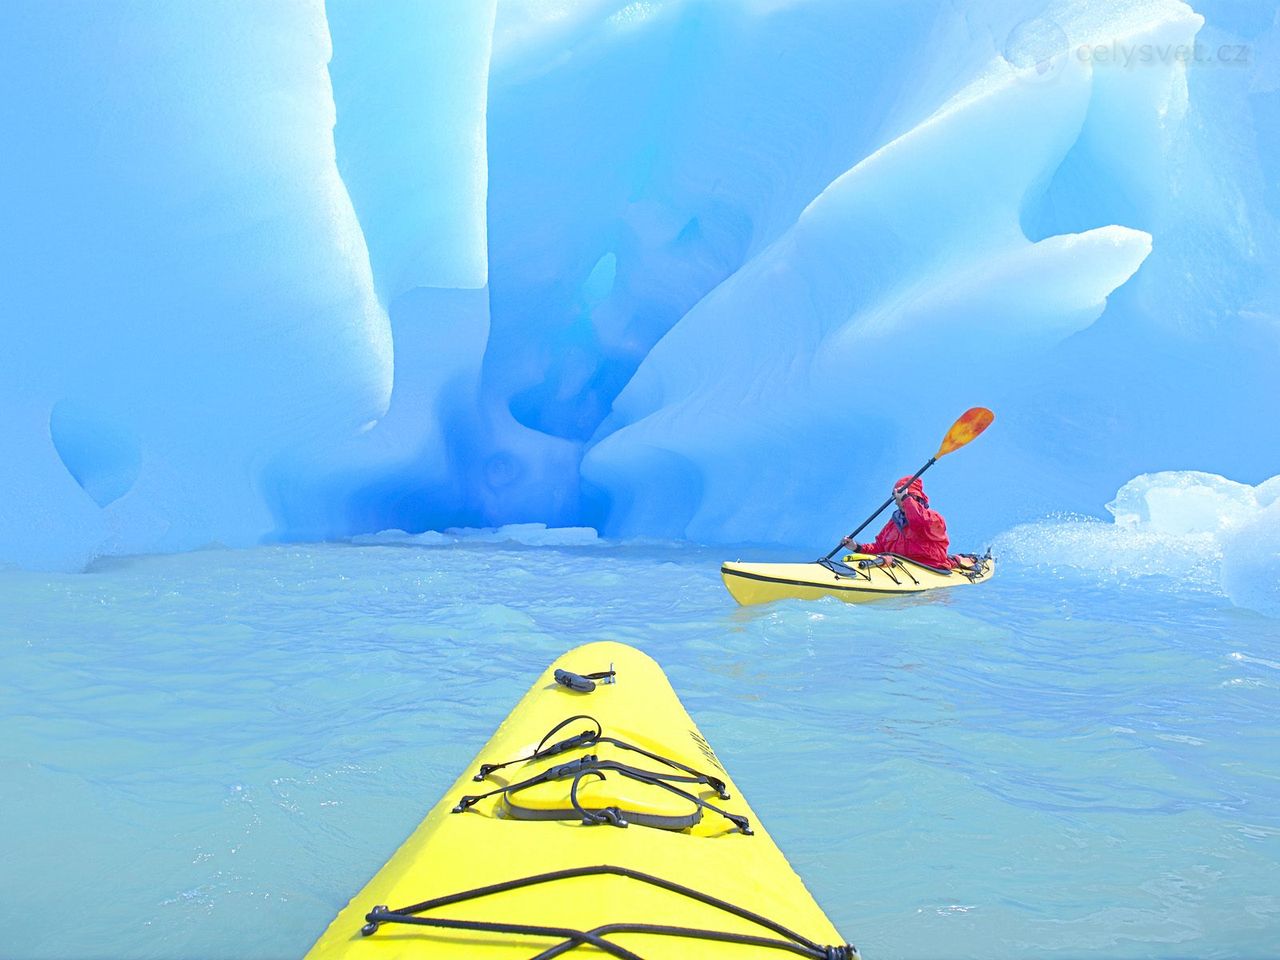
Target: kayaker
[914,531]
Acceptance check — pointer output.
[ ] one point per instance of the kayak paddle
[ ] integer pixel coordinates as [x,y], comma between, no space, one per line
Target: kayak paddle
[971,423]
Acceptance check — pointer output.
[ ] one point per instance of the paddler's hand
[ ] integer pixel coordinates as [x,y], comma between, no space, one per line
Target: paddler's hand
[850,545]
[898,496]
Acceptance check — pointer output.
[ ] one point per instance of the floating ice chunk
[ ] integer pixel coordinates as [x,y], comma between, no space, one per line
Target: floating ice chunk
[428,538]
[533,535]
[1251,561]
[1183,503]
[1200,530]
[526,534]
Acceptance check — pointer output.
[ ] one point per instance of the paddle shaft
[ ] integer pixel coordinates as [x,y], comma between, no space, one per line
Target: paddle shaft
[880,509]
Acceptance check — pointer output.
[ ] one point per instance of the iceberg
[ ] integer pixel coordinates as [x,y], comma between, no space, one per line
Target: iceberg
[658,269]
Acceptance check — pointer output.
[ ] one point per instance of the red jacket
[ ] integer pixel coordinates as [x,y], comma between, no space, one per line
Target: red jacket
[923,537]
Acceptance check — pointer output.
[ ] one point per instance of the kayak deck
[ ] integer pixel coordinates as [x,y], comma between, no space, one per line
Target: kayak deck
[549,885]
[846,579]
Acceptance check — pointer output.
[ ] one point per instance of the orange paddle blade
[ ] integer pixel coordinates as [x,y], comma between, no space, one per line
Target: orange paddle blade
[971,423]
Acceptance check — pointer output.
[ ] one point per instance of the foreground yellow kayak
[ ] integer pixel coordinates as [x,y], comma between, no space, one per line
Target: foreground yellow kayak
[855,578]
[599,822]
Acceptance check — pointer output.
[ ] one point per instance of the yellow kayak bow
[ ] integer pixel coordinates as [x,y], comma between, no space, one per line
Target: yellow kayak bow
[598,821]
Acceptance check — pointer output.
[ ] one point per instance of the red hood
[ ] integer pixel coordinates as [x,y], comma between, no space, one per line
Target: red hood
[916,489]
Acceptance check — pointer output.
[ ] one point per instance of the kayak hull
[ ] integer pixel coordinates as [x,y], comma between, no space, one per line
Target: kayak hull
[752,583]
[492,842]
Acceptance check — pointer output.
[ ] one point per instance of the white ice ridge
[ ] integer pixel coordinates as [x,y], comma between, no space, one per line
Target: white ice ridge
[1197,529]
[410,82]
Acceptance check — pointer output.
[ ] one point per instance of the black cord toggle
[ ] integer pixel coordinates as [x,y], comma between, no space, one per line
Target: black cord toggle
[610,815]
[374,917]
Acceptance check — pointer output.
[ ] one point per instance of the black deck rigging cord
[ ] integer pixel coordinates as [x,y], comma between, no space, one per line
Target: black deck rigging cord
[589,738]
[592,764]
[789,941]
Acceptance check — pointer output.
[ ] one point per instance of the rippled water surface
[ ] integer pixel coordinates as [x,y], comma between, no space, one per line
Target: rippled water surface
[205,755]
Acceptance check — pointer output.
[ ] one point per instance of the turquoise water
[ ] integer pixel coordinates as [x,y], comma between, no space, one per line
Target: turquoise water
[207,754]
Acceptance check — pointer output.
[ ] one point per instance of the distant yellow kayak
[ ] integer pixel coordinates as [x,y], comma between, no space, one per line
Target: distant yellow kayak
[855,578]
[597,821]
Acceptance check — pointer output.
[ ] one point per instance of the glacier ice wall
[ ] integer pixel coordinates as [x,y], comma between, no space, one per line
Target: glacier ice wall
[671,268]
[185,297]
[410,88]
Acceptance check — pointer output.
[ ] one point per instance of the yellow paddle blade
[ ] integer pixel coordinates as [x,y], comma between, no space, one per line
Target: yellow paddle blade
[971,423]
